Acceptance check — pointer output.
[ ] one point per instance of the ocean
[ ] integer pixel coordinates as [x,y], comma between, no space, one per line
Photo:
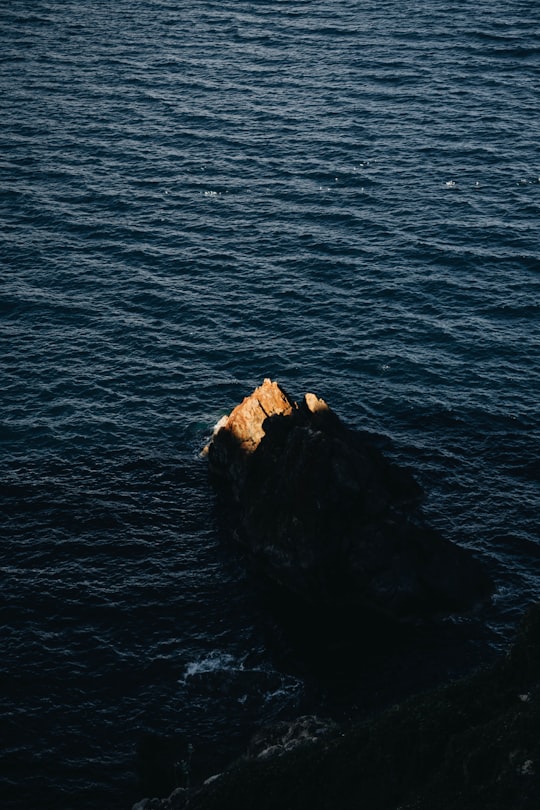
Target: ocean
[341,195]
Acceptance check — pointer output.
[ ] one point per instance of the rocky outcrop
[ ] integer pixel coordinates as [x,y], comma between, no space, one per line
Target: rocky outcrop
[283,737]
[237,436]
[470,745]
[329,520]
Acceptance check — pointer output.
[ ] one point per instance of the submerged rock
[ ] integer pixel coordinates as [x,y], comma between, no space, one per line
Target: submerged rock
[329,520]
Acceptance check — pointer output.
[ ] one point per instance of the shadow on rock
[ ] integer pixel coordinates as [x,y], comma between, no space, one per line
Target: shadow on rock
[332,526]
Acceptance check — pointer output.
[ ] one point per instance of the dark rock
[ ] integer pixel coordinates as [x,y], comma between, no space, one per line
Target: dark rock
[470,745]
[329,520]
[284,736]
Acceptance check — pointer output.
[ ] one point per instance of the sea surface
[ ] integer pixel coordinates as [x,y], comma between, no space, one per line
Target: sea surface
[343,195]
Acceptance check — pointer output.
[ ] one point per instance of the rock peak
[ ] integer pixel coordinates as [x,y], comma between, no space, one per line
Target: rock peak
[327,518]
[245,422]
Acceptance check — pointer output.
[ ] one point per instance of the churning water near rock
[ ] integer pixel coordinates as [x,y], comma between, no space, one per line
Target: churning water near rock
[342,196]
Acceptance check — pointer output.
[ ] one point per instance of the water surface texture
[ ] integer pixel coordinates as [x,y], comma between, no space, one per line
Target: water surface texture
[343,196]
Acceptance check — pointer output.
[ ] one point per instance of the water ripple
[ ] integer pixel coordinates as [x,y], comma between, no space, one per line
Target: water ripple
[341,196]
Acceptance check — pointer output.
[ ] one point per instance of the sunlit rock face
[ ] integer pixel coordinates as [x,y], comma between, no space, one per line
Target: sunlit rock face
[246,421]
[327,518]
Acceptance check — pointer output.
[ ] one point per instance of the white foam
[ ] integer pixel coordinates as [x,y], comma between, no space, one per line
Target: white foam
[222,421]
[214,661]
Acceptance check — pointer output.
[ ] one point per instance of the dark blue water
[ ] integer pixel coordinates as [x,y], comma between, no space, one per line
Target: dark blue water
[343,196]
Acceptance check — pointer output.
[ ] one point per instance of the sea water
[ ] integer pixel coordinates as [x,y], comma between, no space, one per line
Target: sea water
[343,196]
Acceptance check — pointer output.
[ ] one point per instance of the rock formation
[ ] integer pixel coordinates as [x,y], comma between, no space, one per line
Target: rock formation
[329,520]
[468,745]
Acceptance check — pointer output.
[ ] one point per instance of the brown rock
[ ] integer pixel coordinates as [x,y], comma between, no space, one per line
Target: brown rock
[245,422]
[329,520]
